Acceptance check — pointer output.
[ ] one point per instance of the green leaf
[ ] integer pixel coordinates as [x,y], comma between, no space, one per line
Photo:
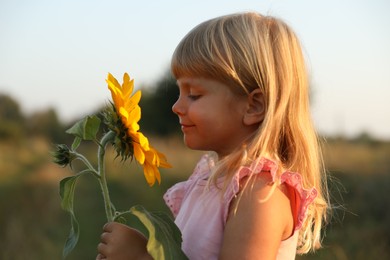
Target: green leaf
[67,188]
[164,236]
[86,128]
[76,143]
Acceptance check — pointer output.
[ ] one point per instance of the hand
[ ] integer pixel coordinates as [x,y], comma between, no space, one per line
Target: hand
[120,242]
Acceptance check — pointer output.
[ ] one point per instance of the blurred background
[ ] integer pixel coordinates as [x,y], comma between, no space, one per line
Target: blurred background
[55,55]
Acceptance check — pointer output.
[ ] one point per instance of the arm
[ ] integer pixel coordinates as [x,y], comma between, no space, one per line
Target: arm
[119,242]
[256,229]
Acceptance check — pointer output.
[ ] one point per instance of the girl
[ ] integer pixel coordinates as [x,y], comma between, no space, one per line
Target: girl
[261,193]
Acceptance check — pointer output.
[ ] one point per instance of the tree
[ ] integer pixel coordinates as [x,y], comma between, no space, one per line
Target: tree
[46,123]
[11,118]
[156,104]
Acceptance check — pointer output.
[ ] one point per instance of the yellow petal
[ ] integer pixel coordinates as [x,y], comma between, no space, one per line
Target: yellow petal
[132,127]
[113,80]
[139,153]
[114,89]
[136,97]
[116,94]
[132,103]
[149,173]
[150,157]
[127,88]
[128,109]
[126,78]
[124,113]
[157,175]
[135,113]
[163,160]
[143,141]
[165,164]
[134,116]
[132,122]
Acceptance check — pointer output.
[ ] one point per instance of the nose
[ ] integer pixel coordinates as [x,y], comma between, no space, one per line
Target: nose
[178,108]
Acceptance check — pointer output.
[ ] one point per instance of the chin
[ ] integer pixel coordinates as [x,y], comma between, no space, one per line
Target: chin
[191,144]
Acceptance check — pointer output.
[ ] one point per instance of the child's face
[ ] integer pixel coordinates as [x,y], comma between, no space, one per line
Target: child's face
[211,115]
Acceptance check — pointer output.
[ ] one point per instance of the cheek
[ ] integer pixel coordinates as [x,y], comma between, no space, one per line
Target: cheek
[200,115]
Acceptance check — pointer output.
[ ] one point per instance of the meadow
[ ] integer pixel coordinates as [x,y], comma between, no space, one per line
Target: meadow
[33,225]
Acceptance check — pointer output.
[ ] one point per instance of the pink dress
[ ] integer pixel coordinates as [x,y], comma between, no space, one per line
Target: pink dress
[201,213]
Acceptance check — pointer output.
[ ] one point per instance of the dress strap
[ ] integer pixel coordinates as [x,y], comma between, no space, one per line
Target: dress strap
[300,197]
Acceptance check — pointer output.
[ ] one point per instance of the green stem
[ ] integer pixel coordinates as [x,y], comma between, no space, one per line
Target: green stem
[87,163]
[102,174]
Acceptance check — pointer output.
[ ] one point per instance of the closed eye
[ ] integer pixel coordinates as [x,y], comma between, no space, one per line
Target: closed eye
[194,97]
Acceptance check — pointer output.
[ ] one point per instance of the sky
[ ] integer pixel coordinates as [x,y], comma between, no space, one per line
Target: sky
[57,53]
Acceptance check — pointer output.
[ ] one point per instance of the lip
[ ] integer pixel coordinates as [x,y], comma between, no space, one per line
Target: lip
[185,127]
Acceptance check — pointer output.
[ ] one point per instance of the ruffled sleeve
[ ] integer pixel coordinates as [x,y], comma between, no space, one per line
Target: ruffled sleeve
[300,197]
[175,195]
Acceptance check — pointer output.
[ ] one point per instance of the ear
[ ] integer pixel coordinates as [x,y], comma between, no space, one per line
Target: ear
[255,111]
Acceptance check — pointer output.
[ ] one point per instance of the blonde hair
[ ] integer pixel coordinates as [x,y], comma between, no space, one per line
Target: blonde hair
[248,51]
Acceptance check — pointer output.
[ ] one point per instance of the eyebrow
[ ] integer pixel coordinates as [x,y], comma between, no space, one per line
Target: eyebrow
[184,84]
[188,82]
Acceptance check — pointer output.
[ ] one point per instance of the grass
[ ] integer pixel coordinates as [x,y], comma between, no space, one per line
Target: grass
[33,226]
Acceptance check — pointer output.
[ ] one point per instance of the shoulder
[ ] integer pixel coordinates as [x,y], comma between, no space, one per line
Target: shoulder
[264,200]
[260,217]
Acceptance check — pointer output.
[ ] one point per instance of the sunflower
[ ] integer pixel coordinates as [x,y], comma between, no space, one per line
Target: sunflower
[123,120]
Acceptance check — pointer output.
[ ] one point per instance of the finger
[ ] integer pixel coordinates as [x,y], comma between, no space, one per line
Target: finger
[104,237]
[101,248]
[100,257]
[108,227]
